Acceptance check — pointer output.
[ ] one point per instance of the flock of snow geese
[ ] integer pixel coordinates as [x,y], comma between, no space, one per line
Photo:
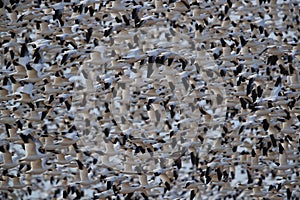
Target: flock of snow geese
[176,99]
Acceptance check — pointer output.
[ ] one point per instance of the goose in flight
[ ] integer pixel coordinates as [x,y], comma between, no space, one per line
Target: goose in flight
[32,152]
[38,166]
[85,180]
[8,160]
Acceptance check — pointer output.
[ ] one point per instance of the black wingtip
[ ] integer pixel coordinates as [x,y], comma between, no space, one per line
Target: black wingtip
[26,138]
[2,149]
[80,165]
[281,149]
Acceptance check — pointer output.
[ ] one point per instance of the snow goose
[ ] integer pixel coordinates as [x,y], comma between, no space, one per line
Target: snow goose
[12,134]
[98,56]
[284,165]
[181,6]
[4,94]
[7,117]
[257,192]
[19,72]
[17,182]
[34,74]
[32,152]
[44,27]
[15,84]
[294,79]
[38,166]
[166,181]
[148,21]
[8,161]
[24,55]
[68,139]
[4,186]
[133,55]
[33,116]
[49,144]
[63,159]
[85,180]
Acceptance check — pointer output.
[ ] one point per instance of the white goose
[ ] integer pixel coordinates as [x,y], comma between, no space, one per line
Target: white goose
[49,144]
[38,166]
[31,149]
[17,183]
[4,94]
[20,71]
[33,116]
[85,180]
[34,73]
[13,136]
[108,154]
[283,162]
[8,161]
[4,186]
[63,159]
